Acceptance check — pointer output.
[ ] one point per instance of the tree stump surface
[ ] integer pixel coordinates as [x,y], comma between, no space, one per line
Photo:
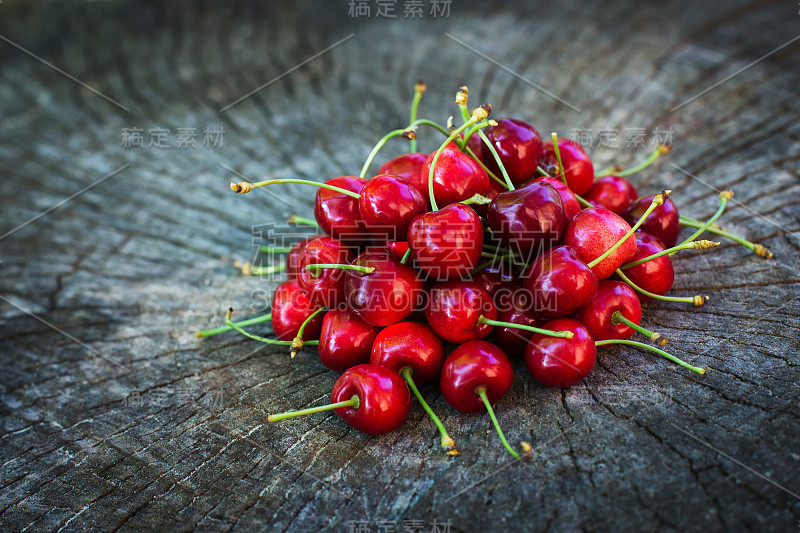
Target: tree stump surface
[114,416]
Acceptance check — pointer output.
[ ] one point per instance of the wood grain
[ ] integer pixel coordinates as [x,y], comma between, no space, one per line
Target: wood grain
[140,426]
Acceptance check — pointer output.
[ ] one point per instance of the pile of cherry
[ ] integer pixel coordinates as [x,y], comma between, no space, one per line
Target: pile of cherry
[443,266]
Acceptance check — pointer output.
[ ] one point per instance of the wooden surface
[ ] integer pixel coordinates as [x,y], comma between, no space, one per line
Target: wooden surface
[115,417]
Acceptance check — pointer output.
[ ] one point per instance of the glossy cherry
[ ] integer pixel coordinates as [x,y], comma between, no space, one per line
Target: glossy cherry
[294,254]
[454,310]
[325,287]
[529,219]
[371,398]
[663,223]
[388,204]
[499,279]
[408,166]
[517,307]
[456,176]
[656,275]
[388,294]
[578,168]
[571,204]
[595,230]
[410,345]
[519,146]
[290,308]
[597,314]
[398,248]
[561,362]
[345,340]
[447,243]
[615,193]
[338,214]
[559,282]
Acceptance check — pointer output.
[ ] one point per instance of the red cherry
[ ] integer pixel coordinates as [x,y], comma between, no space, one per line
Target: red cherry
[519,146]
[578,168]
[325,287]
[595,230]
[345,340]
[294,254]
[447,243]
[561,362]
[388,204]
[386,295]
[516,307]
[454,310]
[528,219]
[338,214]
[290,308]
[662,223]
[612,192]
[410,345]
[398,248]
[384,400]
[408,166]
[470,366]
[456,177]
[571,205]
[560,282]
[596,315]
[499,279]
[656,275]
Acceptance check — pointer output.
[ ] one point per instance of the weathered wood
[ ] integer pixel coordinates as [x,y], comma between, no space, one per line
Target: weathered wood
[142,426]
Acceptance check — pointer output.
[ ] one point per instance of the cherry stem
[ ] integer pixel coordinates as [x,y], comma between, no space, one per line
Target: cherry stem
[614,171]
[758,249]
[247,269]
[353,402]
[235,326]
[617,319]
[543,172]
[477,199]
[697,299]
[694,245]
[297,342]
[448,444]
[406,256]
[477,115]
[298,220]
[565,334]
[408,132]
[245,187]
[243,323]
[486,169]
[662,353]
[315,268]
[583,202]
[724,196]
[419,90]
[481,391]
[658,200]
[554,136]
[507,180]
[274,249]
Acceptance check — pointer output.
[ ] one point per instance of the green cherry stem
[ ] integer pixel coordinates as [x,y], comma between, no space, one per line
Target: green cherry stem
[481,391]
[419,90]
[258,338]
[724,197]
[406,257]
[662,149]
[543,172]
[353,402]
[315,268]
[245,187]
[297,342]
[486,169]
[697,300]
[561,174]
[551,333]
[758,249]
[617,319]
[662,353]
[243,323]
[477,199]
[465,114]
[248,269]
[478,114]
[298,220]
[583,202]
[408,133]
[448,444]
[694,245]
[274,249]
[658,200]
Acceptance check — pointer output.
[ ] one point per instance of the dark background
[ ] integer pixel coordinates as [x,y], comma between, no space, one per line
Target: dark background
[115,417]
